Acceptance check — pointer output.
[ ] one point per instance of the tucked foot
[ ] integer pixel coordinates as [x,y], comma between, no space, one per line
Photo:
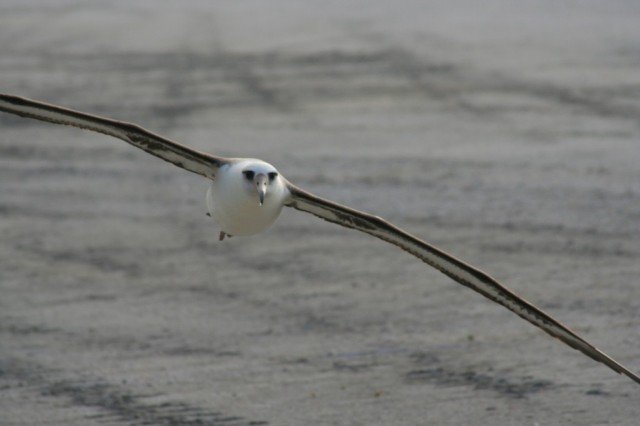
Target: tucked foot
[224,234]
[208,214]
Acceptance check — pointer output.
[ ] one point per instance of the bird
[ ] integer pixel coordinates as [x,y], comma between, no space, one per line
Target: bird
[246,196]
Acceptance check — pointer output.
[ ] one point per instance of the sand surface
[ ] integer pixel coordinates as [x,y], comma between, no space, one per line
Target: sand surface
[507,133]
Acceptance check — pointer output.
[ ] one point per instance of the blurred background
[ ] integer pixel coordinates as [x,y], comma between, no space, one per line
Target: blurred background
[506,133]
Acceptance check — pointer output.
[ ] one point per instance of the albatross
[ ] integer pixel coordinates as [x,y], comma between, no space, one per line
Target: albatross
[246,196]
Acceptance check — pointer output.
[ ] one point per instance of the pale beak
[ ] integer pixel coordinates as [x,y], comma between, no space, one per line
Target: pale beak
[261,185]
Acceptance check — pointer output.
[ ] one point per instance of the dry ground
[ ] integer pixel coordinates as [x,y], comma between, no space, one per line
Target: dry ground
[507,133]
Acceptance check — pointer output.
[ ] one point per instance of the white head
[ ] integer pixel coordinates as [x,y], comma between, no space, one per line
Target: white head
[259,180]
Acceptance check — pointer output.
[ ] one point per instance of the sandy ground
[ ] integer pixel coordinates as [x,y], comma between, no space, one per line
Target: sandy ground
[505,132]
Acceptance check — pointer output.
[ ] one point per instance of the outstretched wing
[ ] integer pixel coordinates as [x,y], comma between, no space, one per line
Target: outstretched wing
[456,269]
[173,152]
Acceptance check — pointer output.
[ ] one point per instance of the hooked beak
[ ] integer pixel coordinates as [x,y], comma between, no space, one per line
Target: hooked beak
[261,185]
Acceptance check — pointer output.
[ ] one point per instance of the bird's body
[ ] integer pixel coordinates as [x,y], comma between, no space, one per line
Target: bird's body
[232,201]
[247,195]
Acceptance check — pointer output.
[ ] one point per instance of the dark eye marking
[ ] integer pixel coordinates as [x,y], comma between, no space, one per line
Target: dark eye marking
[273,175]
[249,174]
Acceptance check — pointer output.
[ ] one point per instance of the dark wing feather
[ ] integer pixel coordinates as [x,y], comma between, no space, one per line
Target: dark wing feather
[459,271]
[173,152]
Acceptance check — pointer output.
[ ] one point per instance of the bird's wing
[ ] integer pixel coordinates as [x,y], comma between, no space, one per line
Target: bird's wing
[173,152]
[456,269]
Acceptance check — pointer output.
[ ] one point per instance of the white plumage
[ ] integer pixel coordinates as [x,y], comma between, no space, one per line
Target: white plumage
[233,203]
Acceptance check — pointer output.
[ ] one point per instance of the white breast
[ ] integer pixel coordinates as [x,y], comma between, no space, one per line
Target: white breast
[236,210]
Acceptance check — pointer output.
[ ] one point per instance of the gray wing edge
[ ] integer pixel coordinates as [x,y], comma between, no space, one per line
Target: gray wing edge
[449,265]
[168,150]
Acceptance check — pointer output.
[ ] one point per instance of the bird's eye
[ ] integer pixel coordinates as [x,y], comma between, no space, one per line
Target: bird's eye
[272,176]
[249,174]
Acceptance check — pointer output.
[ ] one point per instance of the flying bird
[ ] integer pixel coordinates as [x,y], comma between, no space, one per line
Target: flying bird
[246,196]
